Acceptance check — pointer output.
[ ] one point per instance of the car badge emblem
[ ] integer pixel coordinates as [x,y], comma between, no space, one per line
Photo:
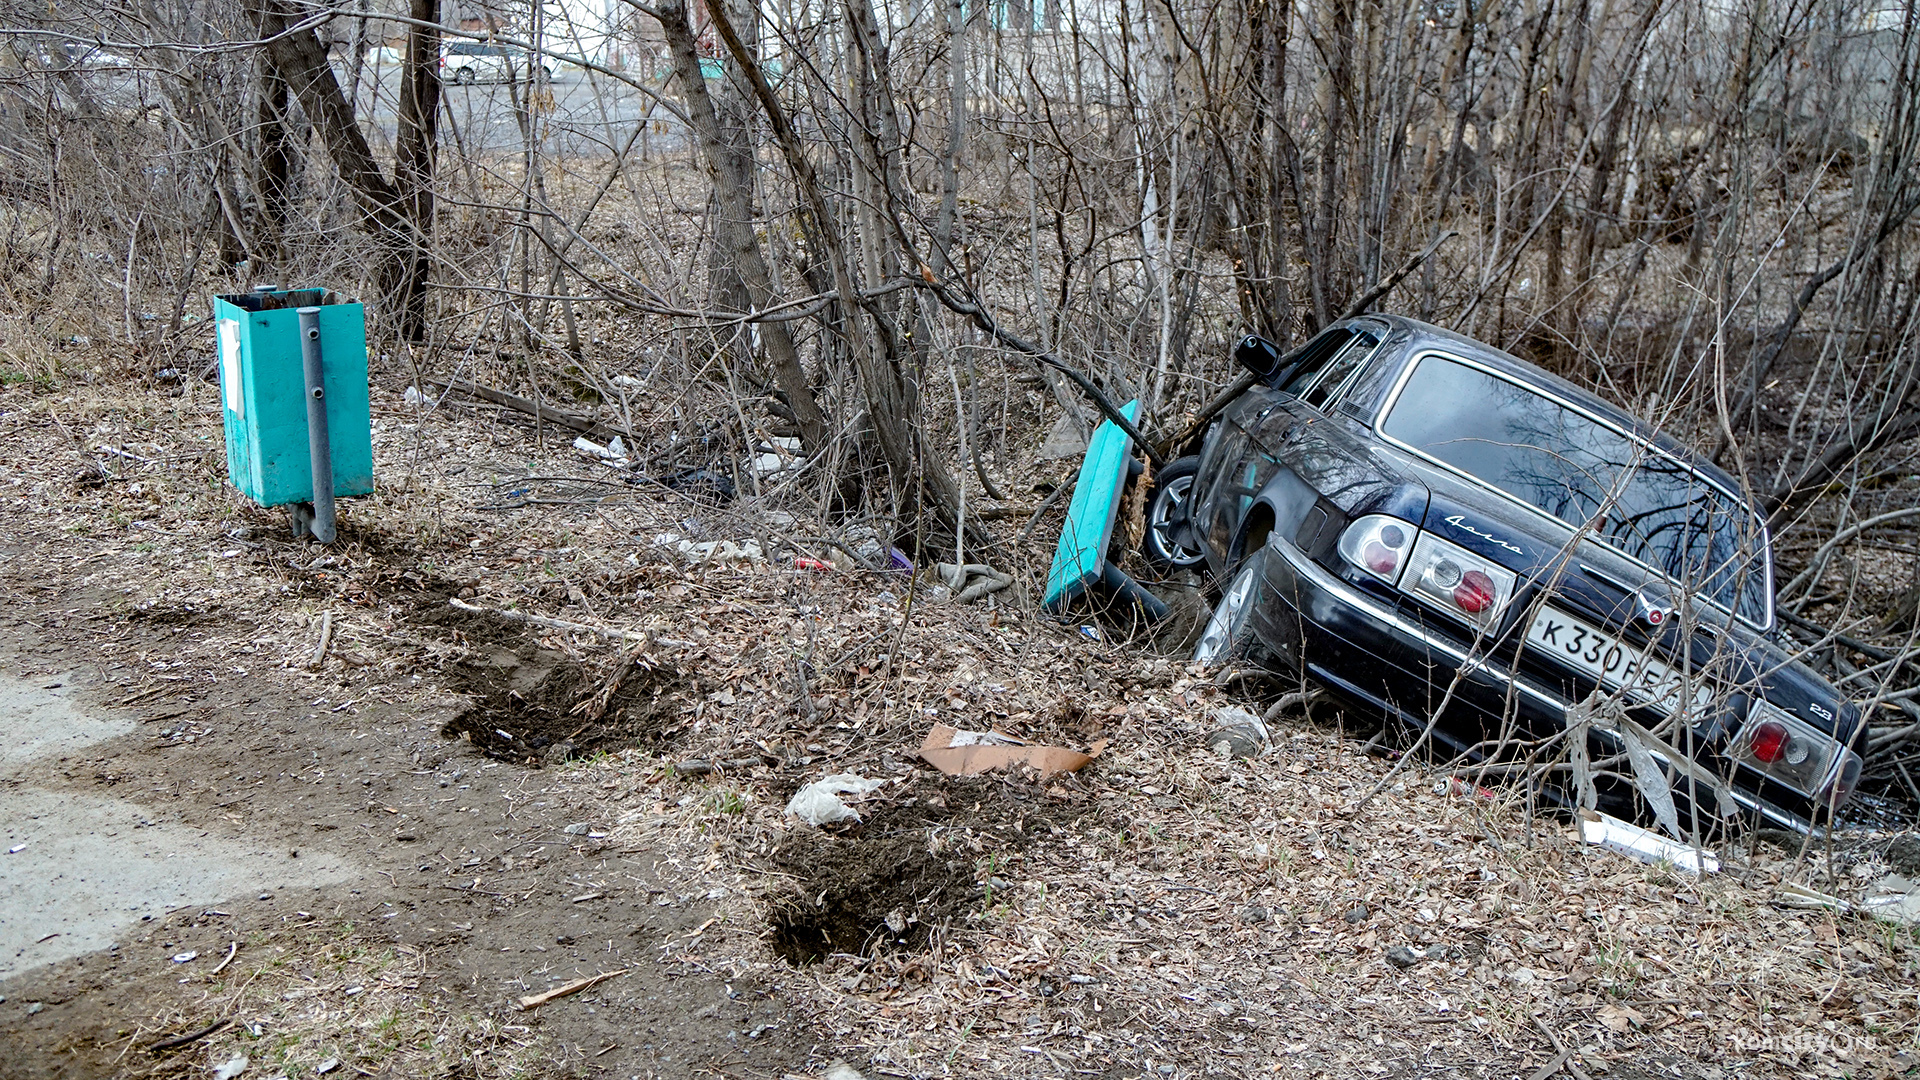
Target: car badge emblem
[1460,522]
[1651,613]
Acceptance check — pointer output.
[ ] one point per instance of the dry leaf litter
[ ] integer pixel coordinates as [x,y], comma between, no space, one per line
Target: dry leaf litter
[1168,911]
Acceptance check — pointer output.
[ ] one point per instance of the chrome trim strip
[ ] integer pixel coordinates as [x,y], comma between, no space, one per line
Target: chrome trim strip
[1406,375]
[1305,567]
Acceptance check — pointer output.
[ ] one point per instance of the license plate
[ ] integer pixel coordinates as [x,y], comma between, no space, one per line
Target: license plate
[1611,660]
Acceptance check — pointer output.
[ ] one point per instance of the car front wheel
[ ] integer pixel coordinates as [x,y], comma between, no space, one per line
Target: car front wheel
[1167,506]
[463,76]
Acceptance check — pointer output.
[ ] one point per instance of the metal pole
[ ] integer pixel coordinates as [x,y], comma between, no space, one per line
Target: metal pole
[319,449]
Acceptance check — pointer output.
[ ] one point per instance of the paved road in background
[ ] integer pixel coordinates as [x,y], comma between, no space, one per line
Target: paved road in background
[591,116]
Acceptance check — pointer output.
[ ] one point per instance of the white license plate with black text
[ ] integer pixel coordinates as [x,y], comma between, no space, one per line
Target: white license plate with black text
[1611,660]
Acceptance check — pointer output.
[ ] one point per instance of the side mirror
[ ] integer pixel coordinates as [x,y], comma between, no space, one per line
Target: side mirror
[1258,355]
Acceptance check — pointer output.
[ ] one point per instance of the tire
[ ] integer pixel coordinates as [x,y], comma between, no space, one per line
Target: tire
[1167,504]
[1228,637]
[463,76]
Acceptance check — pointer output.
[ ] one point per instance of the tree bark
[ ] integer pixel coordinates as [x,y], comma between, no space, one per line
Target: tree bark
[301,59]
[273,172]
[731,168]
[899,438]
[413,166]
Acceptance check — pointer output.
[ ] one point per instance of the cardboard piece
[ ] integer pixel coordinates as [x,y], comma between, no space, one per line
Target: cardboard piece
[969,753]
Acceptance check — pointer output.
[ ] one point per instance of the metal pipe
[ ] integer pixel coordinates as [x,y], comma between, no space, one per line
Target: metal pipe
[319,449]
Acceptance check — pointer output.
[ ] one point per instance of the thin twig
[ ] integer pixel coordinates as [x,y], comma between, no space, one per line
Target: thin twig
[534,1001]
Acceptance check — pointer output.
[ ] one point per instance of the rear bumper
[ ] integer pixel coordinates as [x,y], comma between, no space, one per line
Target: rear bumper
[1375,656]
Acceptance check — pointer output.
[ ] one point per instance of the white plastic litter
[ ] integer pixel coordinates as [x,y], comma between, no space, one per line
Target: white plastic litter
[782,455]
[711,552]
[1894,898]
[1648,847]
[615,451]
[819,803]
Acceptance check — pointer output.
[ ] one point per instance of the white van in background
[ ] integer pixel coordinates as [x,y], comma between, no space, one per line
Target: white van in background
[467,62]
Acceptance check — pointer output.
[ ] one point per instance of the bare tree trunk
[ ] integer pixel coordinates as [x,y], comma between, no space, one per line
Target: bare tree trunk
[943,229]
[413,166]
[301,60]
[894,424]
[733,196]
[273,172]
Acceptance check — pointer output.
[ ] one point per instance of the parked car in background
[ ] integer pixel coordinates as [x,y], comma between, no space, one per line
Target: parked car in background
[469,62]
[1430,528]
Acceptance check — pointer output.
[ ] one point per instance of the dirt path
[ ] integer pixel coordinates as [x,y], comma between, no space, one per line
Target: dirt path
[385,891]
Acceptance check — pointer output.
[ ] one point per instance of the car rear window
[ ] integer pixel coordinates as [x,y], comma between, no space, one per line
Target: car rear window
[1648,505]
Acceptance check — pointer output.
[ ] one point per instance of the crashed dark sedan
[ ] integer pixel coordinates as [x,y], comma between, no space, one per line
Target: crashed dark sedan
[1425,526]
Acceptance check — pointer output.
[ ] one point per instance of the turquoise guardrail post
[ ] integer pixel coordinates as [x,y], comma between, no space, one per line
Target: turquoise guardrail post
[265,397]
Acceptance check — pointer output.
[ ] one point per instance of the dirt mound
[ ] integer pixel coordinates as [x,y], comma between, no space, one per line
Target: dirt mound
[533,705]
[884,884]
[1001,812]
[863,896]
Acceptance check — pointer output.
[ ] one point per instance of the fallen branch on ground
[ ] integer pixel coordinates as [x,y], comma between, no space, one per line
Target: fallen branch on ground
[190,1037]
[534,409]
[534,1001]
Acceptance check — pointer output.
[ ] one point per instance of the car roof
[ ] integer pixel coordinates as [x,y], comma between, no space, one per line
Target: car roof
[1426,335]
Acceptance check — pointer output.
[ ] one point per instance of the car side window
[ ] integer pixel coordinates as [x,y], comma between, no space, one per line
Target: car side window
[1362,396]
[1314,357]
[1335,374]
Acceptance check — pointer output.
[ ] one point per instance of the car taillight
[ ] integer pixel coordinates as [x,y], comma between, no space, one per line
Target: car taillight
[1378,545]
[1792,752]
[1475,593]
[1456,580]
[1769,742]
[1451,577]
[1380,558]
[1844,779]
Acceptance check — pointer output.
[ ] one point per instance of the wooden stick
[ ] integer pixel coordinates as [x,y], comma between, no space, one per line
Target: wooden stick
[326,639]
[534,1001]
[1569,1060]
[189,1037]
[532,408]
[232,947]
